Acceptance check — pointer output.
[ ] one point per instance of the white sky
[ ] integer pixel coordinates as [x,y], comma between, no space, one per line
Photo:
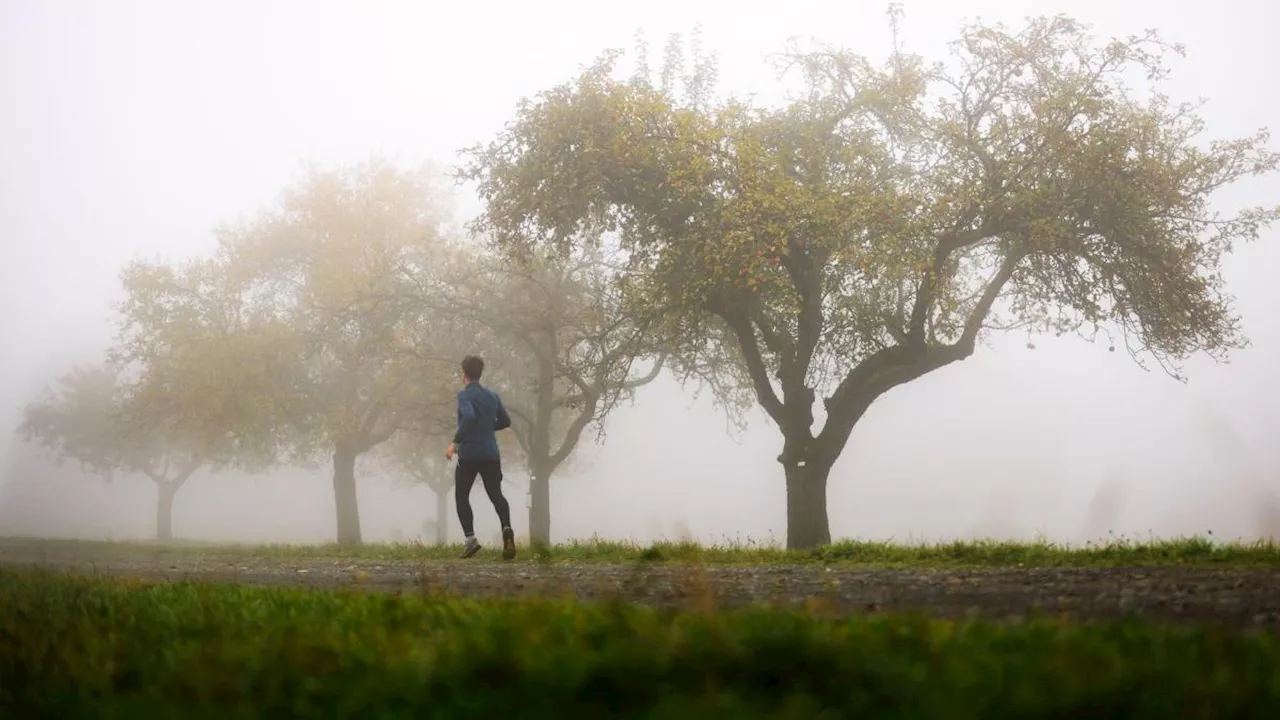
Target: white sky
[132,128]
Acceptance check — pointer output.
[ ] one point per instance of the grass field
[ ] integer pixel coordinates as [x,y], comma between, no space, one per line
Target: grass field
[1114,552]
[86,647]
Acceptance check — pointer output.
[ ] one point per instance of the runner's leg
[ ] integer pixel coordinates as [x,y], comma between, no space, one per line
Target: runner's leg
[491,476]
[464,476]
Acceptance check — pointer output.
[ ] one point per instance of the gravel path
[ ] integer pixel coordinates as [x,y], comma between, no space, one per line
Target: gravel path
[1236,597]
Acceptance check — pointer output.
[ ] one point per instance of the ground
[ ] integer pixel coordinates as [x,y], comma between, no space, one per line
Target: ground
[1238,595]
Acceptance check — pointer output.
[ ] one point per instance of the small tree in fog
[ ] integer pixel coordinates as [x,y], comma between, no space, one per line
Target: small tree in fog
[184,388]
[870,231]
[83,419]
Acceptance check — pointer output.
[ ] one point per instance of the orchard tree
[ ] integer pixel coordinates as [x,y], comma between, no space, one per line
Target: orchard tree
[330,265]
[558,348]
[81,420]
[183,387]
[870,231]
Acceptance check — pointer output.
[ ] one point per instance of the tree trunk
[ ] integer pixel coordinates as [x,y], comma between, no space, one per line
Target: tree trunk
[344,494]
[164,510]
[442,515]
[807,523]
[540,507]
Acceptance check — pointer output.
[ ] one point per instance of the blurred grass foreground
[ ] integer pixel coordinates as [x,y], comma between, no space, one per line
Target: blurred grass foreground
[91,647]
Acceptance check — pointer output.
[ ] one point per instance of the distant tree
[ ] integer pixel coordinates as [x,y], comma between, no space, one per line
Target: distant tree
[869,232]
[560,350]
[332,267]
[81,420]
[183,387]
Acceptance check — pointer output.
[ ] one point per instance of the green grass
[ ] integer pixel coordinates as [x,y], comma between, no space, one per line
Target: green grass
[1200,551]
[84,647]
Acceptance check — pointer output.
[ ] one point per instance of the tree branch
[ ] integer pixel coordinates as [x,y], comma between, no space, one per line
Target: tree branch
[899,364]
[576,378]
[973,325]
[571,436]
[185,472]
[776,342]
[375,439]
[648,377]
[802,268]
[570,401]
[516,412]
[371,418]
[746,336]
[947,244]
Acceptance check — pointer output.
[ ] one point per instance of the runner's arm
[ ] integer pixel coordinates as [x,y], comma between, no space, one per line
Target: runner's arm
[466,418]
[503,420]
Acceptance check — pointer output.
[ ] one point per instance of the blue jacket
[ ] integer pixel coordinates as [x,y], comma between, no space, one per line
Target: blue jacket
[480,416]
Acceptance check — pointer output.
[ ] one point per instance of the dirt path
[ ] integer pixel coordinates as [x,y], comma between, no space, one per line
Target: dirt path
[1236,597]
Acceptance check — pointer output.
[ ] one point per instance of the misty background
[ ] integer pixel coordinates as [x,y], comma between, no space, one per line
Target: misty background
[132,128]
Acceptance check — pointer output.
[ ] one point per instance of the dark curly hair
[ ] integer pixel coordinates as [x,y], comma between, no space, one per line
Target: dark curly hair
[472,367]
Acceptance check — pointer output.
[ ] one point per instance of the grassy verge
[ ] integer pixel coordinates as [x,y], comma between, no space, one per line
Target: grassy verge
[83,647]
[1198,551]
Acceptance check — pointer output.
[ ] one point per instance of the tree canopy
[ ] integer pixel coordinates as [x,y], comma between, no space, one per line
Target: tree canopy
[205,363]
[871,230]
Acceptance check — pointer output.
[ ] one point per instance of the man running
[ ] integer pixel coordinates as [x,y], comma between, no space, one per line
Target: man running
[480,416]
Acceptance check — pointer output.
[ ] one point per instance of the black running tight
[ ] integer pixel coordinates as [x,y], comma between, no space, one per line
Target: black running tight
[490,472]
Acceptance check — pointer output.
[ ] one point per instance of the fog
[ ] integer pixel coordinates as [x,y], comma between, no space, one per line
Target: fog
[131,129]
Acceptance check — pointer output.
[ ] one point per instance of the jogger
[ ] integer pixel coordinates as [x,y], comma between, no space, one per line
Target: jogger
[480,416]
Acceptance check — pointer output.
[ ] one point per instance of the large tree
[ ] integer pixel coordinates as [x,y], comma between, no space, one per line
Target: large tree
[868,232]
[329,263]
[559,350]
